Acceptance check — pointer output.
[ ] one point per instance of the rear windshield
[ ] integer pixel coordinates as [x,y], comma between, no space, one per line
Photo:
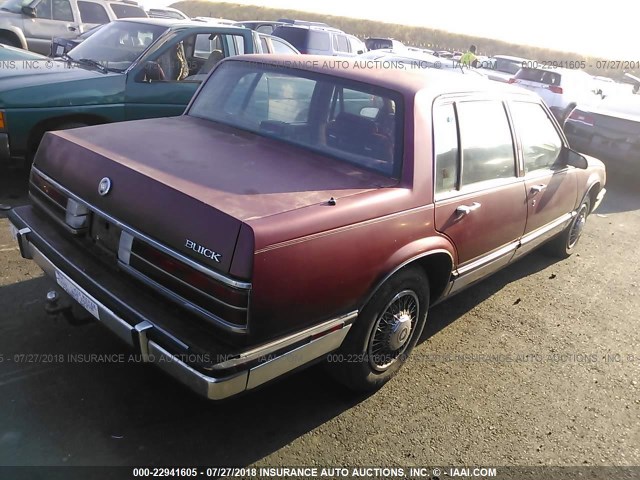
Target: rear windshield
[127,11]
[378,43]
[353,122]
[539,75]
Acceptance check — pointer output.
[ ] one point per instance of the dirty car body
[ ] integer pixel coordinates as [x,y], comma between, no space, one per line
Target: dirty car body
[299,210]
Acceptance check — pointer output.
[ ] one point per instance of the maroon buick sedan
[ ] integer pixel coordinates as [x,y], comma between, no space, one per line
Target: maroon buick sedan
[300,212]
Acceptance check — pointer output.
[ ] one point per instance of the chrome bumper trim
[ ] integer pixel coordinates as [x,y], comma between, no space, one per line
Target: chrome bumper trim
[320,340]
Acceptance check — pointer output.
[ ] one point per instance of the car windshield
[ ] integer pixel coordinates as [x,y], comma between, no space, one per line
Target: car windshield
[118,44]
[352,122]
[14,6]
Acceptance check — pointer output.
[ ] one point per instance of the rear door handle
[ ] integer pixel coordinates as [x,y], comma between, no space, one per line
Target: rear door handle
[463,210]
[537,188]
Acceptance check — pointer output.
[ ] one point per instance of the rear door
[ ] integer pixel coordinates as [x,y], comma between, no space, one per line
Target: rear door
[480,199]
[552,187]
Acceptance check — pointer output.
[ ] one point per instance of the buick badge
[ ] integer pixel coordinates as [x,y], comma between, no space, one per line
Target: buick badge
[104,186]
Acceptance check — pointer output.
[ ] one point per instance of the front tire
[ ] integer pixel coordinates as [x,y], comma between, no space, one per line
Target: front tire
[565,244]
[384,334]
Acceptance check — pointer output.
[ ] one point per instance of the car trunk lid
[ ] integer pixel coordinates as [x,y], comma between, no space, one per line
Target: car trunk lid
[190,183]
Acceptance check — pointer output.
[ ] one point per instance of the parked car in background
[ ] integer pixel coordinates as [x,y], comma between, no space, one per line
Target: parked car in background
[129,69]
[502,68]
[313,40]
[295,214]
[416,60]
[379,43]
[167,12]
[32,25]
[562,89]
[8,54]
[608,126]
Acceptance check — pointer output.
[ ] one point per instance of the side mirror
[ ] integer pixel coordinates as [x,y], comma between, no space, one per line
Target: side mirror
[29,11]
[575,159]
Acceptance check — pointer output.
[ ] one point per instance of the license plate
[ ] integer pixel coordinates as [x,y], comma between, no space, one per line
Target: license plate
[78,295]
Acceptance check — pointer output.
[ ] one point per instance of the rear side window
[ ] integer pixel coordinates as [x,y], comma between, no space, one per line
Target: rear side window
[318,40]
[487,153]
[445,145]
[343,44]
[127,11]
[541,143]
[92,13]
[539,75]
[295,36]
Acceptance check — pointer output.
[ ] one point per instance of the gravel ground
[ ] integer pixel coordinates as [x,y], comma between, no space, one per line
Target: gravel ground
[538,365]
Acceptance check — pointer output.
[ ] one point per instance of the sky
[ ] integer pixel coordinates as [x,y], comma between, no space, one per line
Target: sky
[606,29]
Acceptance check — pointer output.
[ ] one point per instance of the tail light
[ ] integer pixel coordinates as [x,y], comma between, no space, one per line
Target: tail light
[511,80]
[49,191]
[67,210]
[224,302]
[578,116]
[555,88]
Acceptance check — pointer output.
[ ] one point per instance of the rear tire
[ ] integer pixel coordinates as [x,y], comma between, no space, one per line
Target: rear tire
[384,334]
[565,244]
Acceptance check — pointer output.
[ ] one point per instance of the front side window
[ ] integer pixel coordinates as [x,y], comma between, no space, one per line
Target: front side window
[358,124]
[541,143]
[62,11]
[486,141]
[43,9]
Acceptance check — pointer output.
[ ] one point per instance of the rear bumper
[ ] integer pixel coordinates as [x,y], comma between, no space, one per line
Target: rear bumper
[234,373]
